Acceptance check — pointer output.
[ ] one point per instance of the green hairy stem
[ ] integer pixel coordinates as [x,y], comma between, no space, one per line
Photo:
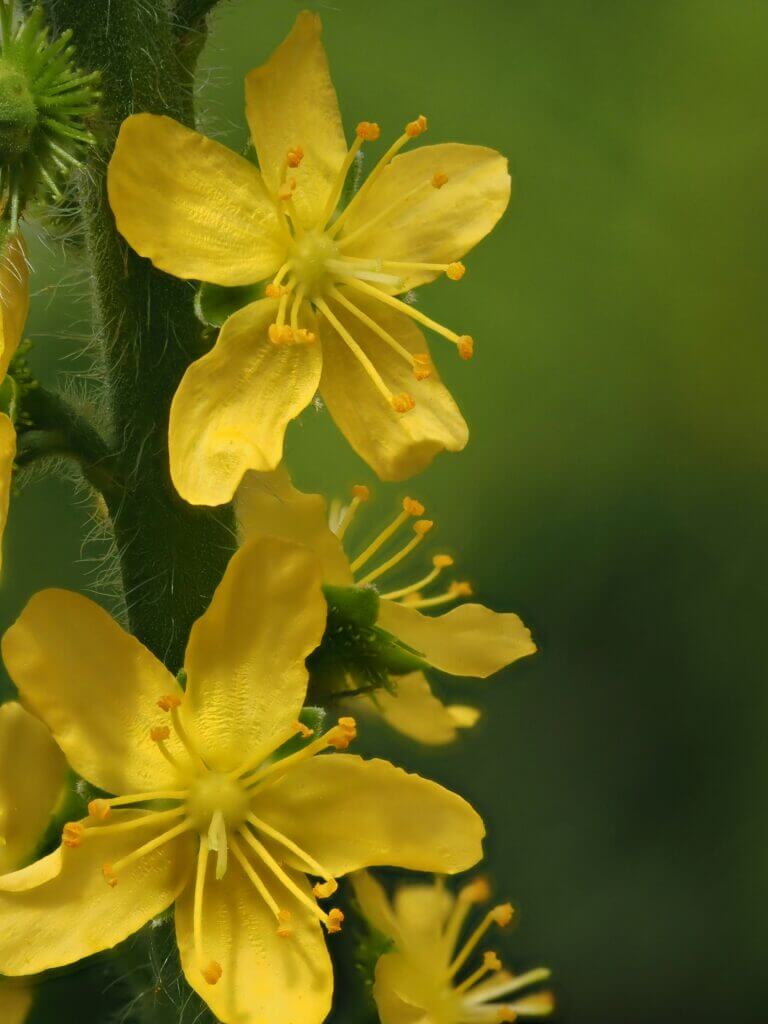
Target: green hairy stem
[172,556]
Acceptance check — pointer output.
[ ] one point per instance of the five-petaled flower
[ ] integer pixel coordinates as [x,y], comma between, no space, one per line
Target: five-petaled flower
[223,804]
[419,980]
[331,317]
[469,640]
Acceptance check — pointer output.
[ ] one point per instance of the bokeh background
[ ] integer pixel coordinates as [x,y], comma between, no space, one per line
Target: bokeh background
[615,491]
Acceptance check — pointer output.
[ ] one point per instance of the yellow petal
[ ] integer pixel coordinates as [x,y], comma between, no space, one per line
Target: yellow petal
[290,101]
[415,711]
[421,912]
[395,445]
[192,206]
[14,300]
[374,903]
[75,913]
[268,503]
[245,660]
[434,225]
[394,982]
[95,687]
[264,977]
[7,456]
[232,407]
[32,772]
[470,640]
[464,715]
[15,1002]
[349,814]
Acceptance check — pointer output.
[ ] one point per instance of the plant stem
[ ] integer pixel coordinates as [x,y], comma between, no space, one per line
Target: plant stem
[172,555]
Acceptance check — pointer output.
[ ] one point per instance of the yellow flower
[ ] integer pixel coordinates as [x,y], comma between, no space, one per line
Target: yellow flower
[330,317]
[419,981]
[207,815]
[14,307]
[32,771]
[469,640]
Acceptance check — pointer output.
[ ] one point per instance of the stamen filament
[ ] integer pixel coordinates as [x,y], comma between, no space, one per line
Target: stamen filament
[167,754]
[157,794]
[418,537]
[181,732]
[507,986]
[388,210]
[277,279]
[371,324]
[382,538]
[217,840]
[338,185]
[403,307]
[281,876]
[253,877]
[361,494]
[490,963]
[312,864]
[471,942]
[433,602]
[263,752]
[298,298]
[151,846]
[393,595]
[321,743]
[197,913]
[393,150]
[152,818]
[361,357]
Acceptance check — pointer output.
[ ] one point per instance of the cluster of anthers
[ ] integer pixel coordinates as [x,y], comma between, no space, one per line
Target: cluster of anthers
[413,593]
[217,805]
[320,265]
[475,994]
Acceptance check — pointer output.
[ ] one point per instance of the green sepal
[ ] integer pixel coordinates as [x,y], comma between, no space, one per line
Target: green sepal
[357,606]
[215,304]
[9,398]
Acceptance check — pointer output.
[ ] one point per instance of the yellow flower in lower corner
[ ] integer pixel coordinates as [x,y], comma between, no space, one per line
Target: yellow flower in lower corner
[428,978]
[14,307]
[32,773]
[331,317]
[469,640]
[223,804]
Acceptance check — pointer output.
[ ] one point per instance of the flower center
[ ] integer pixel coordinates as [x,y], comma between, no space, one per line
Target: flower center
[311,253]
[216,794]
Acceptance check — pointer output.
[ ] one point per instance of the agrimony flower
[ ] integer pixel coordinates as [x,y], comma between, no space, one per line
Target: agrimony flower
[425,978]
[223,804]
[331,317]
[468,640]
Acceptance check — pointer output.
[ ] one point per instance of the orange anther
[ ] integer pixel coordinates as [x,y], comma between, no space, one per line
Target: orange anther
[294,156]
[422,526]
[211,972]
[455,271]
[369,131]
[304,336]
[276,291]
[403,402]
[476,891]
[158,733]
[439,179]
[280,334]
[169,702]
[304,730]
[413,507]
[502,914]
[417,127]
[466,345]
[109,875]
[286,190]
[491,961]
[335,920]
[71,834]
[322,890]
[505,1015]
[343,733]
[422,366]
[284,923]
[442,561]
[460,589]
[361,492]
[99,809]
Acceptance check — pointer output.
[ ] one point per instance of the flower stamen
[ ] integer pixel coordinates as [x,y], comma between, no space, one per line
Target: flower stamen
[420,528]
[501,915]
[491,962]
[439,562]
[410,508]
[329,885]
[367,131]
[360,493]
[416,361]
[210,969]
[258,883]
[457,589]
[110,871]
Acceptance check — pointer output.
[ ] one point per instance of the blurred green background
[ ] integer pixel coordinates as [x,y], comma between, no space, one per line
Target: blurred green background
[615,490]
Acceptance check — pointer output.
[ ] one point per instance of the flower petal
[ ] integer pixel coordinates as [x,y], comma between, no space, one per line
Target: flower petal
[95,687]
[32,772]
[464,715]
[75,913]
[245,659]
[421,912]
[414,711]
[7,456]
[264,977]
[349,814]
[394,982]
[291,101]
[470,640]
[268,503]
[192,206]
[395,445]
[15,1002]
[431,225]
[374,903]
[14,300]
[233,405]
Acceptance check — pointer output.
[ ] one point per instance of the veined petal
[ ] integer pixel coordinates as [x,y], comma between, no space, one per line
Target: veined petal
[15,1001]
[192,206]
[470,640]
[393,984]
[349,814]
[32,772]
[414,711]
[264,977]
[75,913]
[233,405]
[431,225]
[7,456]
[291,101]
[245,659]
[268,503]
[95,687]
[395,445]
[14,300]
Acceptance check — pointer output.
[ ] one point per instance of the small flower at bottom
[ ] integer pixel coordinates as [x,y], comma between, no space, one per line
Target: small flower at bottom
[429,976]
[224,805]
